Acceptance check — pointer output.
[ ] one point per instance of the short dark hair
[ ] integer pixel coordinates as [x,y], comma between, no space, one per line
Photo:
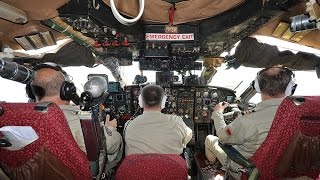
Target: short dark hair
[274,80]
[152,95]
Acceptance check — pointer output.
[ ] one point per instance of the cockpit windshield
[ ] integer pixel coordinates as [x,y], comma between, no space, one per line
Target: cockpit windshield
[235,79]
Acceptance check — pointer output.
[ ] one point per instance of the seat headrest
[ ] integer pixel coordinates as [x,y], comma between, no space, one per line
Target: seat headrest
[152,166]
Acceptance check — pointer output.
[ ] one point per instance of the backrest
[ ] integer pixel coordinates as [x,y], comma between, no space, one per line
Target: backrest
[152,166]
[292,146]
[54,155]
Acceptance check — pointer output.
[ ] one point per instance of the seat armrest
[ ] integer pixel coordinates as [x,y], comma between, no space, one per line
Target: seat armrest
[235,156]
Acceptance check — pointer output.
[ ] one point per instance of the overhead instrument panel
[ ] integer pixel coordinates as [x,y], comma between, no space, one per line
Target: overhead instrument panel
[170,48]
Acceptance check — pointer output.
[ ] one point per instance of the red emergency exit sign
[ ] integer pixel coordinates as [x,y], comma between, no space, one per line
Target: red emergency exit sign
[169,37]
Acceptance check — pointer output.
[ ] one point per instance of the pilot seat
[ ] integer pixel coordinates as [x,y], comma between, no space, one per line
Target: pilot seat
[54,155]
[291,148]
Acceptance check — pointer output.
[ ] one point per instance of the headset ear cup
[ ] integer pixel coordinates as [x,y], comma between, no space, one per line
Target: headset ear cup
[291,87]
[29,92]
[294,87]
[256,85]
[163,102]
[37,91]
[68,91]
[140,101]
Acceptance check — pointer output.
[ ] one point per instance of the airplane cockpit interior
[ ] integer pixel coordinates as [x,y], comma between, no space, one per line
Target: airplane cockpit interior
[202,53]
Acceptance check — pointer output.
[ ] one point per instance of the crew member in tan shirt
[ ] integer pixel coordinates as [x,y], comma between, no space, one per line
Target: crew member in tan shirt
[248,132]
[153,131]
[50,77]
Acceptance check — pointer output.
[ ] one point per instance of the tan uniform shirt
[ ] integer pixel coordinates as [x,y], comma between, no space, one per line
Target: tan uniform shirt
[247,132]
[154,132]
[71,114]
[114,139]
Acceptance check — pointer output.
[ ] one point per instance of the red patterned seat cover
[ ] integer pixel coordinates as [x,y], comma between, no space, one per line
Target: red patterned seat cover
[54,135]
[152,167]
[292,122]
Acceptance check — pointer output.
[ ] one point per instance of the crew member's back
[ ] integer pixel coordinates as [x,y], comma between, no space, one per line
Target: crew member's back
[154,132]
[162,131]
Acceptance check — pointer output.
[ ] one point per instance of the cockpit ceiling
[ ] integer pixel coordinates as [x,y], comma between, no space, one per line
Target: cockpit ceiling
[157,11]
[38,9]
[310,38]
[8,31]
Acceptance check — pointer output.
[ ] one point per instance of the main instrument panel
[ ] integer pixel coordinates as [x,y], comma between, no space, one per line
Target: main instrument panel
[188,102]
[192,103]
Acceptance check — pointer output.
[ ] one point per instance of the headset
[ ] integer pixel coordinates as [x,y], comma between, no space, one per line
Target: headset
[67,91]
[291,87]
[163,102]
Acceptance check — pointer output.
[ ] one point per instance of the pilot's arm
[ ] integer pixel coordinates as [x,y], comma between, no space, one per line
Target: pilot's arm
[113,138]
[237,132]
[185,131]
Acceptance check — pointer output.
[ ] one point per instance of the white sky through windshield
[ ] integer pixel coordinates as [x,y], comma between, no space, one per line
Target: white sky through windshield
[308,83]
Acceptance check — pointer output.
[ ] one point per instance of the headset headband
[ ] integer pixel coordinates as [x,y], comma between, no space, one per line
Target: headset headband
[283,68]
[53,66]
[291,86]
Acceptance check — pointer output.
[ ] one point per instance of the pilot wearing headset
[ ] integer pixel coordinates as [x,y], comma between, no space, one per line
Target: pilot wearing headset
[248,132]
[51,83]
[153,131]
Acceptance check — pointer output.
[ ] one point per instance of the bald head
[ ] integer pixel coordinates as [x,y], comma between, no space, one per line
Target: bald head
[49,80]
[273,81]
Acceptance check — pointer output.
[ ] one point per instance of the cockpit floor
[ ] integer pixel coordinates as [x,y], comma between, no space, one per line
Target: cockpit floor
[208,170]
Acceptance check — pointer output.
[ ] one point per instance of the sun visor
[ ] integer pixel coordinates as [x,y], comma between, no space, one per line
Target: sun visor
[251,53]
[72,54]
